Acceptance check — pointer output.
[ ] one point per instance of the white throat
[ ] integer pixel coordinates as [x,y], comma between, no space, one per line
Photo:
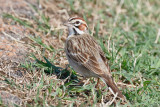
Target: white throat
[74,31]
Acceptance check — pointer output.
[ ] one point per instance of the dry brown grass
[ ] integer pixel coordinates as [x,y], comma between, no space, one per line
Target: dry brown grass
[33,30]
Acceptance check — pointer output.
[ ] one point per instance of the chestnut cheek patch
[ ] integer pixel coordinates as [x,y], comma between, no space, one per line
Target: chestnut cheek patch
[82,27]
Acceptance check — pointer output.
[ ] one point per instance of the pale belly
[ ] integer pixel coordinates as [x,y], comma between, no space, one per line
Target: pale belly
[79,68]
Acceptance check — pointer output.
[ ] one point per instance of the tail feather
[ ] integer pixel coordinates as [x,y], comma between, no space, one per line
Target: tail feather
[110,82]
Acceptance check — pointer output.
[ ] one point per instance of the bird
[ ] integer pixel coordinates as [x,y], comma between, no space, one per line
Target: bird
[85,55]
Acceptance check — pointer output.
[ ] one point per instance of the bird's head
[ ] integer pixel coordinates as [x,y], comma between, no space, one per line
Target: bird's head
[76,26]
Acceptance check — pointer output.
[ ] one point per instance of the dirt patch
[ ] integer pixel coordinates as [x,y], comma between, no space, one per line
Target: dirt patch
[10,99]
[18,7]
[15,44]
[13,51]
[11,48]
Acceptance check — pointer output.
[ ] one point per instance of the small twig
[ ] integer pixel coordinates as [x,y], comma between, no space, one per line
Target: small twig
[92,29]
[58,28]
[86,82]
[11,37]
[115,96]
[103,104]
[127,85]
[109,42]
[111,101]
[134,64]
[119,10]
[158,35]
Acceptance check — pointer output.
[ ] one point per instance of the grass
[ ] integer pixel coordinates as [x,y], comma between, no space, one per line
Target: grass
[127,32]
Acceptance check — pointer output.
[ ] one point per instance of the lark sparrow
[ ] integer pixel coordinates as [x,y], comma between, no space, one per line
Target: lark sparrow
[85,55]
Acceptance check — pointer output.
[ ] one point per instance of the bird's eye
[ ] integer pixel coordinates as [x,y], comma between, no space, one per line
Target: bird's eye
[77,22]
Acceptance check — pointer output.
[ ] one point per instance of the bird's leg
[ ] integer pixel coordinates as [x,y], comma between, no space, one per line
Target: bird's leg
[97,83]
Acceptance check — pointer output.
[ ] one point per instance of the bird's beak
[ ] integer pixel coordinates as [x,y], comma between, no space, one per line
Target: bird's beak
[65,23]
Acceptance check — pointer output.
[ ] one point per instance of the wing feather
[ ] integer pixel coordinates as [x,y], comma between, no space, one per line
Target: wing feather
[85,50]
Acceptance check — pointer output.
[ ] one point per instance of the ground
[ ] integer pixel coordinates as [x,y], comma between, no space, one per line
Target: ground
[35,72]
